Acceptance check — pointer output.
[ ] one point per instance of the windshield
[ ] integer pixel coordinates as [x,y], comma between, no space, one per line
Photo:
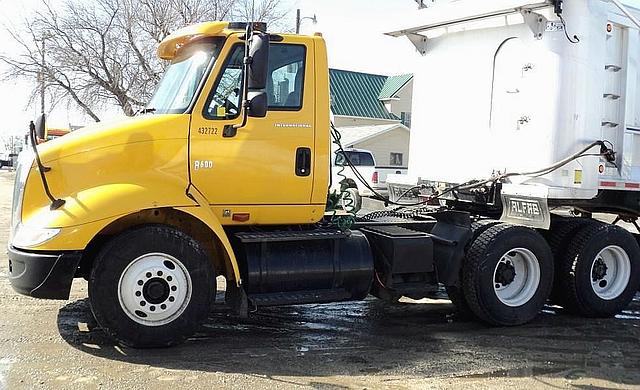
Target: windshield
[183,76]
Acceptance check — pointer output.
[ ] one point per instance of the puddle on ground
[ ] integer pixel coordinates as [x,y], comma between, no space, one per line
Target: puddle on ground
[5,366]
[520,373]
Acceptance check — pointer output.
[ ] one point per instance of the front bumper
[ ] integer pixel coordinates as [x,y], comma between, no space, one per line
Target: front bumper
[43,275]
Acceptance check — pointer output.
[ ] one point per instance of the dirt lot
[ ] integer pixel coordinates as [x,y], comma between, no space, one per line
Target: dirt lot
[56,344]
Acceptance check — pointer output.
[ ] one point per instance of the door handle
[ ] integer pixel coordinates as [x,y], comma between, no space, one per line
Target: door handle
[303,162]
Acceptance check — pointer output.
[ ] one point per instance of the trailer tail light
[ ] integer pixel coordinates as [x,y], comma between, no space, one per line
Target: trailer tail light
[374,178]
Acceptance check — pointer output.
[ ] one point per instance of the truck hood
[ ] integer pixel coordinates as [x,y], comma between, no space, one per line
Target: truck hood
[112,133]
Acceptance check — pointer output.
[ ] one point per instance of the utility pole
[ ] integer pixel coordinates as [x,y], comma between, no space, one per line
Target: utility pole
[300,19]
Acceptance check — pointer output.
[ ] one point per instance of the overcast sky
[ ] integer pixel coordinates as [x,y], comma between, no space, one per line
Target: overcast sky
[353,30]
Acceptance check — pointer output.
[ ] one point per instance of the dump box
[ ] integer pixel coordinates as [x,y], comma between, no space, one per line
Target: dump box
[515,86]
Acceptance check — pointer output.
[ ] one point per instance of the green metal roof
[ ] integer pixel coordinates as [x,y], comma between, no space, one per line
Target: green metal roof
[356,94]
[393,85]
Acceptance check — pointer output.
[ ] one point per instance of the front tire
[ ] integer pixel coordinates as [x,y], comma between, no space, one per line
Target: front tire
[600,271]
[507,275]
[151,286]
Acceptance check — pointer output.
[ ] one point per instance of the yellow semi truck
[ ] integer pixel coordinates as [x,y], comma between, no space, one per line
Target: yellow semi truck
[226,173]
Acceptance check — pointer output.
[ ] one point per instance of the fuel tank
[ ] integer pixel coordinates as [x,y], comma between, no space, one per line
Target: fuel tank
[294,267]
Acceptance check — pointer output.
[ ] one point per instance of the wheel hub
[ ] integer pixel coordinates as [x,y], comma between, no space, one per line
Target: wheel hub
[610,272]
[516,277]
[599,270]
[506,273]
[154,289]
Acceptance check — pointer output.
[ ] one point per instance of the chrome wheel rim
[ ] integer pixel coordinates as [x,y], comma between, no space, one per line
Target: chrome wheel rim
[154,289]
[610,272]
[516,277]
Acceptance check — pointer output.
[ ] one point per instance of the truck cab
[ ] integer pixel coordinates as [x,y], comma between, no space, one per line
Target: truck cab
[192,158]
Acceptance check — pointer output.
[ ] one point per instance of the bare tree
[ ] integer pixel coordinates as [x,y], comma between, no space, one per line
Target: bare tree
[104,51]
[269,11]
[11,144]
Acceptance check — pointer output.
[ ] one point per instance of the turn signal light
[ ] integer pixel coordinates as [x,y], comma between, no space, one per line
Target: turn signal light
[241,217]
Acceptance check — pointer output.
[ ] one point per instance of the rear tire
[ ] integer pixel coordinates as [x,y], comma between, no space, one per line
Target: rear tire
[508,274]
[600,272]
[456,293]
[559,236]
[151,286]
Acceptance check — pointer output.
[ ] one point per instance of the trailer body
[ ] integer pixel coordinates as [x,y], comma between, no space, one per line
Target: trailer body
[512,88]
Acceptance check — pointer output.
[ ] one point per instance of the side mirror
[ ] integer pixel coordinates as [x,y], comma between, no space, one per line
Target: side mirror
[259,52]
[257,104]
[40,127]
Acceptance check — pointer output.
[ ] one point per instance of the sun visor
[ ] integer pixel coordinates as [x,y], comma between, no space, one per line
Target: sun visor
[184,36]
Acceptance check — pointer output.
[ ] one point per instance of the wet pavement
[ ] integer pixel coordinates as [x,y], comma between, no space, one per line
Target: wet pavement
[354,345]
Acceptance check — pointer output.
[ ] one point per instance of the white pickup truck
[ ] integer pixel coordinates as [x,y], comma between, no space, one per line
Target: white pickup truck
[363,161]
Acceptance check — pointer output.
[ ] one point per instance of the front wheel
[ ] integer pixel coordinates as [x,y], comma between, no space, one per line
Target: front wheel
[507,275]
[151,286]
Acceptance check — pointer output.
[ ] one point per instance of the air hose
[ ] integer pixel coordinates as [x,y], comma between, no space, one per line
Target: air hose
[344,197]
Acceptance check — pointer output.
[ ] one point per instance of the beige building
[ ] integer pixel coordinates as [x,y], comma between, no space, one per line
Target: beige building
[389,143]
[373,112]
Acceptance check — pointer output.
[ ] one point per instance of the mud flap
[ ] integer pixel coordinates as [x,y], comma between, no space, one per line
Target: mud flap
[525,205]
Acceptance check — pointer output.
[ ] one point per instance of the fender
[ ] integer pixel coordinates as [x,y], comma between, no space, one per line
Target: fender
[203,213]
[89,212]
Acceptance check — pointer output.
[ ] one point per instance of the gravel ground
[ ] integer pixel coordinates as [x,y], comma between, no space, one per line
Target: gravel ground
[362,345]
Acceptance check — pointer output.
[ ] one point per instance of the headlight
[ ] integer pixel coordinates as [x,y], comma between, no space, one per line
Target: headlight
[27,236]
[25,160]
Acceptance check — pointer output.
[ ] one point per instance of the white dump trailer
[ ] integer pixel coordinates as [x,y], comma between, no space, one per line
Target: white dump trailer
[518,86]
[528,113]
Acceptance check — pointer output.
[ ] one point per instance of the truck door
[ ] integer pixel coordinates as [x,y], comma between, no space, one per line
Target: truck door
[270,160]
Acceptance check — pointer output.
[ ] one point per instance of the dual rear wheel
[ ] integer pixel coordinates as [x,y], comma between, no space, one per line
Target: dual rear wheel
[598,270]
[509,271]
[507,274]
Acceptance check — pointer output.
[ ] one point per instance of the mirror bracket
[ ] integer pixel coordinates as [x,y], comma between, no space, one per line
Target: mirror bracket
[229,131]
[256,53]
[56,203]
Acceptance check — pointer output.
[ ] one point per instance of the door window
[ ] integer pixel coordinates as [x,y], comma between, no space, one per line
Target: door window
[225,101]
[284,86]
[286,76]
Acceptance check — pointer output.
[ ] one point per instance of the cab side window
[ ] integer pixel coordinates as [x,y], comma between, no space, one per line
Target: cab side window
[226,98]
[285,83]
